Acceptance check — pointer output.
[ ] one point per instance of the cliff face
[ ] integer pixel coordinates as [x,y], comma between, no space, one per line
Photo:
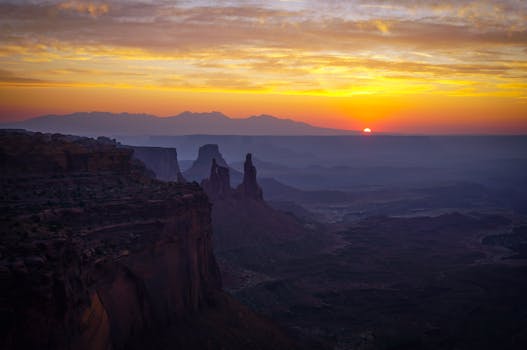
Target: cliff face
[24,153]
[94,253]
[162,161]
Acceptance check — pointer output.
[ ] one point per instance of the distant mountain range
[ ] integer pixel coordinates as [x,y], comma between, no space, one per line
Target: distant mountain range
[186,123]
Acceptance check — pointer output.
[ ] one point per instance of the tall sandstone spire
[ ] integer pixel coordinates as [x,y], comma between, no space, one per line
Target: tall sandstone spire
[217,186]
[249,188]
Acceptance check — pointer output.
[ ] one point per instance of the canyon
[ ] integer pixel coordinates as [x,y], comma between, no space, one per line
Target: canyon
[112,246]
[97,254]
[394,268]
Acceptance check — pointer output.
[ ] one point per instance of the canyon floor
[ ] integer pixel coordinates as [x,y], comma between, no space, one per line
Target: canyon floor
[409,282]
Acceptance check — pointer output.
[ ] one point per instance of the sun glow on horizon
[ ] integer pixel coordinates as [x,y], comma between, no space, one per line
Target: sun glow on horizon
[462,69]
[366,130]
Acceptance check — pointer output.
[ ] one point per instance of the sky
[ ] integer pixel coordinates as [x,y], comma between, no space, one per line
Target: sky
[454,66]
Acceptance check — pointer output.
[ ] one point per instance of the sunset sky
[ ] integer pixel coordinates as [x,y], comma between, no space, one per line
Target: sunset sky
[400,66]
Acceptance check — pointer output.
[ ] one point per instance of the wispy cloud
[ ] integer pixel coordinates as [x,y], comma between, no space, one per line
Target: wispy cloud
[280,47]
[93,9]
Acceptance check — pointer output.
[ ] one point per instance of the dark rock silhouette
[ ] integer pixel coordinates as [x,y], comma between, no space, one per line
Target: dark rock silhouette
[161,162]
[201,167]
[210,151]
[240,217]
[249,188]
[218,185]
[96,254]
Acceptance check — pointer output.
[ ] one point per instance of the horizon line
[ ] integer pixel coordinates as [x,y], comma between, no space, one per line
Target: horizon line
[358,131]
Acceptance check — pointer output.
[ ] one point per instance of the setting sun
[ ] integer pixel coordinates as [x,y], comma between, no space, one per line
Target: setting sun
[366,130]
[334,66]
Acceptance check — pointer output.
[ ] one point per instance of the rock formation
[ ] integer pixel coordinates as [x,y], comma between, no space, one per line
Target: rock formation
[25,153]
[95,254]
[240,216]
[162,161]
[95,250]
[200,169]
[249,188]
[218,185]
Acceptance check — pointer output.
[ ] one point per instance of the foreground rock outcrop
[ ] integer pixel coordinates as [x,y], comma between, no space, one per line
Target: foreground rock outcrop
[95,254]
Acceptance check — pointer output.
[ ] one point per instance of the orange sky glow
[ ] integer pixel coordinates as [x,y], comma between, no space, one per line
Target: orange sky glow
[393,66]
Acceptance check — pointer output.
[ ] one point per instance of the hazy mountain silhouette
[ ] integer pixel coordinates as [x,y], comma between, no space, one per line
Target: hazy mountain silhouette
[186,123]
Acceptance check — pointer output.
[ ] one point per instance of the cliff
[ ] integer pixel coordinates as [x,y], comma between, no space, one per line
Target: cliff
[95,254]
[162,161]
